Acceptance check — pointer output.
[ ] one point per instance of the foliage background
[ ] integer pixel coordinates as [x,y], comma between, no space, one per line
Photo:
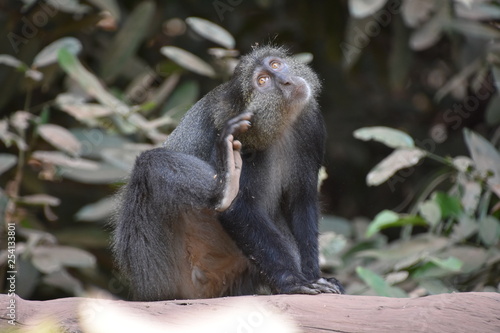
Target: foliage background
[428,70]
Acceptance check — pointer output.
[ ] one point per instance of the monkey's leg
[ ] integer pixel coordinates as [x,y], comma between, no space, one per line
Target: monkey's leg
[266,246]
[270,249]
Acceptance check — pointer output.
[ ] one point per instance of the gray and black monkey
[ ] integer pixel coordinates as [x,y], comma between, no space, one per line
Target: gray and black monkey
[229,205]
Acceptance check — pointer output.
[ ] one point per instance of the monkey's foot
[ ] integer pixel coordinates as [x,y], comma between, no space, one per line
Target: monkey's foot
[330,285]
[321,286]
[231,150]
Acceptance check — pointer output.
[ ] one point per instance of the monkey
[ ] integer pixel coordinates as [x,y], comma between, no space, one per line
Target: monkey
[228,205]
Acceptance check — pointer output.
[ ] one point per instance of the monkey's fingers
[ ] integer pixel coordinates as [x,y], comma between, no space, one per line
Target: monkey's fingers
[305,289]
[330,285]
[237,145]
[234,161]
[238,124]
[238,162]
[246,116]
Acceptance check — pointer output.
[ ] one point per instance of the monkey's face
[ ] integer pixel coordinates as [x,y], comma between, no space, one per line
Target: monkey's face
[274,78]
[280,90]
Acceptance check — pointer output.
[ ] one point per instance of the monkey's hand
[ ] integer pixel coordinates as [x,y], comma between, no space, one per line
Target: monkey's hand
[230,159]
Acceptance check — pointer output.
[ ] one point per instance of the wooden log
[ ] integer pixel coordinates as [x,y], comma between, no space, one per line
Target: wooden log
[457,312]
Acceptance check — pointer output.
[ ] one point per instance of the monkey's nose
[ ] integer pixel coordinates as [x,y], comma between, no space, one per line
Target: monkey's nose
[284,80]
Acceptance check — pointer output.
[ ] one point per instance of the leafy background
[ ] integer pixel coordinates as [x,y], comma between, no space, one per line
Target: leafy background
[87,85]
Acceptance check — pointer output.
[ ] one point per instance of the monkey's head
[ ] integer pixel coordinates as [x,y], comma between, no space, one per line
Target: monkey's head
[276,88]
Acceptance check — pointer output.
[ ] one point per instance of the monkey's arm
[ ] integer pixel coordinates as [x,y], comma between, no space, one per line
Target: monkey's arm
[304,223]
[302,202]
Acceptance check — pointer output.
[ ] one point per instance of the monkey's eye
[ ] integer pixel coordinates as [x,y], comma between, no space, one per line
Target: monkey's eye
[262,80]
[275,64]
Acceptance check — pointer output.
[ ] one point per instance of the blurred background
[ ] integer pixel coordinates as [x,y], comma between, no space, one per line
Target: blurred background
[87,85]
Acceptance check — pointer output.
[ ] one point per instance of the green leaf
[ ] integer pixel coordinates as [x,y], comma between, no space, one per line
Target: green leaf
[399,159]
[431,31]
[389,136]
[70,6]
[473,257]
[60,138]
[465,228]
[451,263]
[95,140]
[430,211]
[477,10]
[378,284]
[436,267]
[40,200]
[304,57]
[7,161]
[381,221]
[188,60]
[463,163]
[493,111]
[416,12]
[450,206]
[337,224]
[427,35]
[474,29]
[388,219]
[496,76]
[457,85]
[11,61]
[330,247]
[90,83]
[104,174]
[86,113]
[97,211]
[61,159]
[61,279]
[471,195]
[49,54]
[396,277]
[405,251]
[211,31]
[489,230]
[124,157]
[434,286]
[49,259]
[164,91]
[182,98]
[486,158]
[352,45]
[127,40]
[364,8]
